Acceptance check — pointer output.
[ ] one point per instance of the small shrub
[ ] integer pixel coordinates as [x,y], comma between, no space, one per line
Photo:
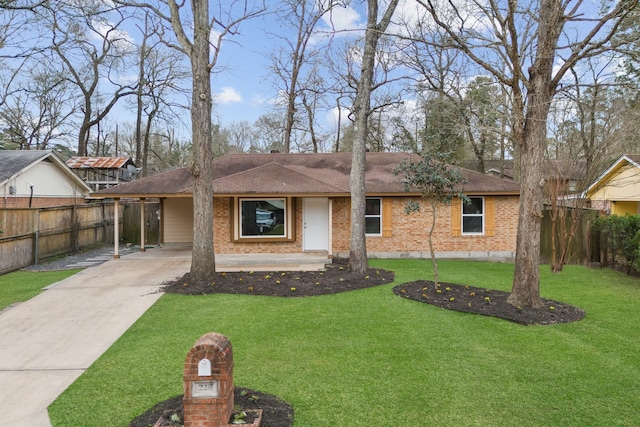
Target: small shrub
[620,240]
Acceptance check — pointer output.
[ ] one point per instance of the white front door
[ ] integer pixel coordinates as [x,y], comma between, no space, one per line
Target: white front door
[315,224]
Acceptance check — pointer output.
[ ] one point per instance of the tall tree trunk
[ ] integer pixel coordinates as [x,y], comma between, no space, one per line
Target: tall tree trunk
[525,291]
[358,261]
[203,256]
[83,139]
[338,126]
[291,110]
[139,108]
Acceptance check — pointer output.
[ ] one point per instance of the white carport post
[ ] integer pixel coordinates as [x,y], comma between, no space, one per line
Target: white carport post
[116,228]
[142,224]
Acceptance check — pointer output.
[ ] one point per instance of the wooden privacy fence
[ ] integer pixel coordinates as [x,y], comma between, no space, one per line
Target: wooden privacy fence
[130,214]
[581,245]
[28,236]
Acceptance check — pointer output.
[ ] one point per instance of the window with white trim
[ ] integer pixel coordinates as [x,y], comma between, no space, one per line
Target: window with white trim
[473,216]
[373,216]
[265,218]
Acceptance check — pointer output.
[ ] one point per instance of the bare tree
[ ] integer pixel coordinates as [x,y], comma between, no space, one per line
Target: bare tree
[358,261]
[589,120]
[298,52]
[20,37]
[242,137]
[36,114]
[518,43]
[160,74]
[482,115]
[386,91]
[269,128]
[166,150]
[88,64]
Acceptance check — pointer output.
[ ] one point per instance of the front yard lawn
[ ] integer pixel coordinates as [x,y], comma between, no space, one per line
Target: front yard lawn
[20,286]
[370,358]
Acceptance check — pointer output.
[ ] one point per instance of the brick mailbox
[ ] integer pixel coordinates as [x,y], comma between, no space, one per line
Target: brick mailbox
[208,382]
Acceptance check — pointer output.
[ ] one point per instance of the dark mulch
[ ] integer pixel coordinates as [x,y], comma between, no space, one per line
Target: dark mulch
[275,411]
[335,278]
[487,302]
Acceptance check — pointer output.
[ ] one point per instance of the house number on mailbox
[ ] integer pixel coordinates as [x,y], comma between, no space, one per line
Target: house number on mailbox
[204,389]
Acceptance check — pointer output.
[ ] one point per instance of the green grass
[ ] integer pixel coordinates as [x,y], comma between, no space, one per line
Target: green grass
[370,358]
[20,286]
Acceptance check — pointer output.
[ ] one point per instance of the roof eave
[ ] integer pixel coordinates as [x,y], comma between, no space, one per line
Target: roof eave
[101,196]
[614,167]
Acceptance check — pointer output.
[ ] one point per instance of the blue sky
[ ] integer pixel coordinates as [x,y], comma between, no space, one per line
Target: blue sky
[243,90]
[241,85]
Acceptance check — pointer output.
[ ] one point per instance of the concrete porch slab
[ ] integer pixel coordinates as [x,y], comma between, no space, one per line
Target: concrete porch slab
[242,262]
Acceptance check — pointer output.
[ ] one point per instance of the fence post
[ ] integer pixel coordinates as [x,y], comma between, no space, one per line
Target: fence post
[75,229]
[142,225]
[116,228]
[36,236]
[103,217]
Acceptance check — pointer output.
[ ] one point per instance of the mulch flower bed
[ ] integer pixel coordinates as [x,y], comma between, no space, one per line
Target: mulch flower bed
[334,279]
[487,302]
[170,413]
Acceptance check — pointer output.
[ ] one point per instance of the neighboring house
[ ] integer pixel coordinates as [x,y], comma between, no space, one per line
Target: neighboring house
[103,172]
[501,168]
[617,189]
[38,178]
[291,203]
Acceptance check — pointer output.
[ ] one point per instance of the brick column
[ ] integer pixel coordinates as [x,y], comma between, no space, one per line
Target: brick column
[208,382]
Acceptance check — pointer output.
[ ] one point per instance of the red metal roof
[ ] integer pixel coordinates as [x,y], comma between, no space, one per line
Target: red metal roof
[98,162]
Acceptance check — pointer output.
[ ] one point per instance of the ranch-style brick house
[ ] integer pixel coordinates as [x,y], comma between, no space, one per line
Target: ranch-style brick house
[293,203]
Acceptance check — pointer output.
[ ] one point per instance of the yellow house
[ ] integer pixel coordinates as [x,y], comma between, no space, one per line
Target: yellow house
[617,190]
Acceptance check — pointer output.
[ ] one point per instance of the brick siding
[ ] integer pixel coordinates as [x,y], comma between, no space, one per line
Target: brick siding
[408,232]
[223,234]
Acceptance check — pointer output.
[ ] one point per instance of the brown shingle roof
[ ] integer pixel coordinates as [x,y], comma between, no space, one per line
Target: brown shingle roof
[272,178]
[296,174]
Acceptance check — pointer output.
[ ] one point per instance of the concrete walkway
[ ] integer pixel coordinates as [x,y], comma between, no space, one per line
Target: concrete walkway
[50,340]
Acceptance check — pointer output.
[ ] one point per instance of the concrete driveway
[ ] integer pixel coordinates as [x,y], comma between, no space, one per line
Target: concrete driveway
[50,340]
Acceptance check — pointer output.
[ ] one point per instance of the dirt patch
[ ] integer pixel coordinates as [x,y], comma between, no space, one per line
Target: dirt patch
[487,302]
[275,411]
[334,279]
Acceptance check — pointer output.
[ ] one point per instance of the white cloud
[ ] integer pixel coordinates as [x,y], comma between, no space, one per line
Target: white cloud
[342,19]
[258,100]
[121,39]
[334,116]
[227,95]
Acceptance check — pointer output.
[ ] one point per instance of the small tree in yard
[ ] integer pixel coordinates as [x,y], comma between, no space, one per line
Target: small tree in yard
[438,183]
